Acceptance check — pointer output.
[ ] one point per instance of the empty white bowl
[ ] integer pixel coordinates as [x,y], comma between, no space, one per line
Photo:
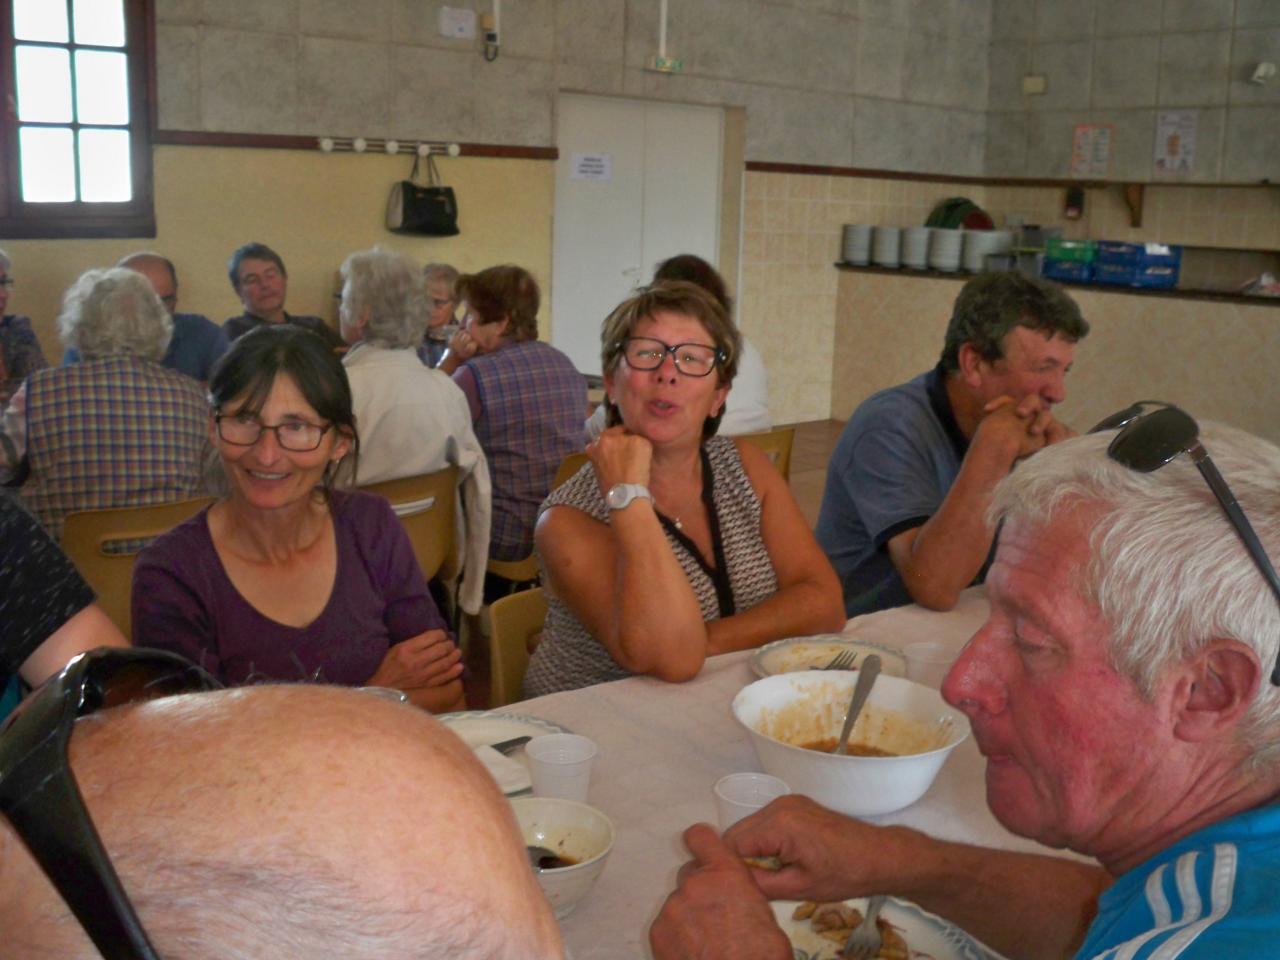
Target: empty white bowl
[570,829]
[901,716]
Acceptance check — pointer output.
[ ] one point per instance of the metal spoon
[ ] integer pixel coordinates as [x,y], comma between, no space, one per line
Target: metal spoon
[867,674]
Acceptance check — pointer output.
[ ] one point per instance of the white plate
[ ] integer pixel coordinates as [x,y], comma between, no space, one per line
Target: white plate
[478,728]
[927,935]
[805,653]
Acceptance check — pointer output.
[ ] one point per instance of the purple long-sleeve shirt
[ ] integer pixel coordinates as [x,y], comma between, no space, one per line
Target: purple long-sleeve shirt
[184,601]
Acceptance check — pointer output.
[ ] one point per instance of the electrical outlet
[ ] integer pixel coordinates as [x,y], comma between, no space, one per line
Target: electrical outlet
[1034,84]
[457,23]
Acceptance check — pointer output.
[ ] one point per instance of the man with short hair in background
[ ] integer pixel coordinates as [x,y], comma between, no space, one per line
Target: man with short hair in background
[258,276]
[903,516]
[197,342]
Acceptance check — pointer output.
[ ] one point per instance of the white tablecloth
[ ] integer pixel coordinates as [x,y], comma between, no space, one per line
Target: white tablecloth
[663,746]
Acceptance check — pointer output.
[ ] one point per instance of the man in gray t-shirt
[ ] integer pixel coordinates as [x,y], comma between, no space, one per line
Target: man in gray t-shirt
[903,515]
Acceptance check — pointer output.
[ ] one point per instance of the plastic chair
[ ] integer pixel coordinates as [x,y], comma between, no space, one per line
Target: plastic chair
[777,444]
[513,622]
[427,506]
[86,536]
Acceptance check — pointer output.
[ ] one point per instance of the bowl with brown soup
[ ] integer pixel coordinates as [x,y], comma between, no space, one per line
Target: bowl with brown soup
[900,741]
[579,838]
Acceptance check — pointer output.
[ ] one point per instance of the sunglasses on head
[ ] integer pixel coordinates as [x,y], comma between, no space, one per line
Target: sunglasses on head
[1153,433]
[39,796]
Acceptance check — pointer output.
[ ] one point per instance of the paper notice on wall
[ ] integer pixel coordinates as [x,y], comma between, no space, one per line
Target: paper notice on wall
[592,166]
[1175,141]
[1091,150]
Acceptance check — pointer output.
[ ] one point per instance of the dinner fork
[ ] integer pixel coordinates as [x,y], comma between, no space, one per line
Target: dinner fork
[842,660]
[865,941]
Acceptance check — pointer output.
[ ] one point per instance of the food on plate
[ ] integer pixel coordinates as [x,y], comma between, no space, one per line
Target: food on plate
[828,745]
[835,921]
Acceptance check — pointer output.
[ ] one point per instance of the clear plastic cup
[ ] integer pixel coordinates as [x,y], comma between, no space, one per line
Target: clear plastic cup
[928,661]
[739,794]
[560,765]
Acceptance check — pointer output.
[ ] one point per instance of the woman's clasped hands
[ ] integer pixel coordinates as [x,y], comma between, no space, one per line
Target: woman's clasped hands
[430,659]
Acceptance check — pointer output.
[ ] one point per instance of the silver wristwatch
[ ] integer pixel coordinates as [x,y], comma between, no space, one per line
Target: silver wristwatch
[621,494]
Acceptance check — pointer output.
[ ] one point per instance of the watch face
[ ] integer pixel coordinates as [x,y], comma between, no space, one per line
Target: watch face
[621,494]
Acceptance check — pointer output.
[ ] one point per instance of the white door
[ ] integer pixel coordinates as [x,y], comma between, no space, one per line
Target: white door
[636,182]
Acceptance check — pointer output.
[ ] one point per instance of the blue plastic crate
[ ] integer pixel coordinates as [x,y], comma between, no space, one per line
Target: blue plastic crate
[1079,271]
[1110,251]
[1121,274]
[1157,277]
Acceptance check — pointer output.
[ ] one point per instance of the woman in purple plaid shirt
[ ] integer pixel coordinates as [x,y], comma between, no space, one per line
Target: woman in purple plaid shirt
[527,400]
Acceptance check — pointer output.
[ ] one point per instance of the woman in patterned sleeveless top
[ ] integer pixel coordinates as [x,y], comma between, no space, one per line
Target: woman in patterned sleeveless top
[672,544]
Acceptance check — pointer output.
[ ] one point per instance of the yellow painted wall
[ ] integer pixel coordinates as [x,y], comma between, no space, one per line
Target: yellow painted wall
[313,209]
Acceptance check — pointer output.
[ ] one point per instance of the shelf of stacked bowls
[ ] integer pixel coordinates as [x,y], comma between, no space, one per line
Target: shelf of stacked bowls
[981,244]
[944,249]
[915,247]
[886,247]
[855,244]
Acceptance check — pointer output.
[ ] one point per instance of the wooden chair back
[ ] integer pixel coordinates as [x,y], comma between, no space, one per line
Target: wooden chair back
[568,467]
[513,621]
[427,506]
[87,535]
[777,444]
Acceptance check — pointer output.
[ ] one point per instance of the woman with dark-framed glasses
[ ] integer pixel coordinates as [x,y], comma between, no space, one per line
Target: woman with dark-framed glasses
[287,577]
[672,544]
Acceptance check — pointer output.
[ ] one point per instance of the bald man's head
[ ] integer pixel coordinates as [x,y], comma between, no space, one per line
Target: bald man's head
[160,272]
[290,821]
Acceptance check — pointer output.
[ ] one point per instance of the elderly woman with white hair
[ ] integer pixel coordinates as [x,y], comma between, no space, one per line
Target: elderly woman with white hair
[20,351]
[117,429]
[412,419]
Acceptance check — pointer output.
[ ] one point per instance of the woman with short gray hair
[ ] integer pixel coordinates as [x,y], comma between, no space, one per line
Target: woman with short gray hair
[442,320]
[412,419]
[116,429]
[113,313]
[20,351]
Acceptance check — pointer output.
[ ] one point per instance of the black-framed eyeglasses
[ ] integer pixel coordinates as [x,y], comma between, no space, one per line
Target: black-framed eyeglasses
[6,281]
[297,436]
[1151,438]
[39,796]
[691,359]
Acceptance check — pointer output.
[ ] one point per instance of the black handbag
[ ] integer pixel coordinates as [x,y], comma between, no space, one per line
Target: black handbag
[429,210]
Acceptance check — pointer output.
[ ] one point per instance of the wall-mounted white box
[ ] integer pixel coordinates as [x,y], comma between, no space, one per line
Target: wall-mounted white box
[457,23]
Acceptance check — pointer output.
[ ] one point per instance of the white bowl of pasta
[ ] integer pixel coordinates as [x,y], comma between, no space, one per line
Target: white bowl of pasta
[899,743]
